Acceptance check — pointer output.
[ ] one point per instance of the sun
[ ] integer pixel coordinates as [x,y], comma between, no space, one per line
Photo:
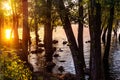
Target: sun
[7,8]
[8,33]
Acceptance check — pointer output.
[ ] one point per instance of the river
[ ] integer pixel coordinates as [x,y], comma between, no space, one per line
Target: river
[64,52]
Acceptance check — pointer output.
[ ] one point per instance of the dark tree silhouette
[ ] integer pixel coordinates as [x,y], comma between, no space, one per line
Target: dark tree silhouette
[96,72]
[36,26]
[71,39]
[80,38]
[107,46]
[48,37]
[26,34]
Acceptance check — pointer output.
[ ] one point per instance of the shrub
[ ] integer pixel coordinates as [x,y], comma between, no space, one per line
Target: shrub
[12,68]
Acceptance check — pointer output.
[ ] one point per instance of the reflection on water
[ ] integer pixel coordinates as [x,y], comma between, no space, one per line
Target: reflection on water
[65,54]
[115,62]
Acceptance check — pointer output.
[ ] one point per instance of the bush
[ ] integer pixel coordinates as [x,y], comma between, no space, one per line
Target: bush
[12,68]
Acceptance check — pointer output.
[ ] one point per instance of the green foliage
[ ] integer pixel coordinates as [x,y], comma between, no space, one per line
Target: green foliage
[12,68]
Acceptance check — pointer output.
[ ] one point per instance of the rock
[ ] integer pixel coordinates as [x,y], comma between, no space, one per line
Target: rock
[55,41]
[87,41]
[60,50]
[40,50]
[61,69]
[40,45]
[64,42]
[56,55]
[39,40]
[33,52]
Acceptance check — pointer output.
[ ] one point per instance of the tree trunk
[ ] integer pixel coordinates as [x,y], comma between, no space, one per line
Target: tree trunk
[15,25]
[107,47]
[1,24]
[25,35]
[15,30]
[97,28]
[71,39]
[48,37]
[36,26]
[96,72]
[80,38]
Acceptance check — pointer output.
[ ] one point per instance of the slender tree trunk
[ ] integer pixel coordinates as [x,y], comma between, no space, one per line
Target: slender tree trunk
[97,30]
[96,72]
[15,26]
[0,31]
[36,26]
[25,35]
[15,30]
[1,24]
[107,47]
[71,39]
[80,38]
[48,37]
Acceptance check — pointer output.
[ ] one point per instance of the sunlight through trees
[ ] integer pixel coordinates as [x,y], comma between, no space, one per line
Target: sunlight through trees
[8,33]
[29,28]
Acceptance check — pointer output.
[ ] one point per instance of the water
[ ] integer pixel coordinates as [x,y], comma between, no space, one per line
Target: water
[115,62]
[65,54]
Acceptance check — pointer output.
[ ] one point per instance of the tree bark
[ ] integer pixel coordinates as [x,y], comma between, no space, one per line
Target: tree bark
[25,35]
[36,26]
[96,72]
[1,24]
[80,38]
[15,30]
[48,37]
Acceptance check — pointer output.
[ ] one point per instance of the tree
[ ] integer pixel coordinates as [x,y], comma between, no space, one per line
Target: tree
[1,23]
[15,24]
[36,25]
[26,34]
[104,36]
[107,46]
[71,38]
[48,36]
[80,37]
[96,72]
